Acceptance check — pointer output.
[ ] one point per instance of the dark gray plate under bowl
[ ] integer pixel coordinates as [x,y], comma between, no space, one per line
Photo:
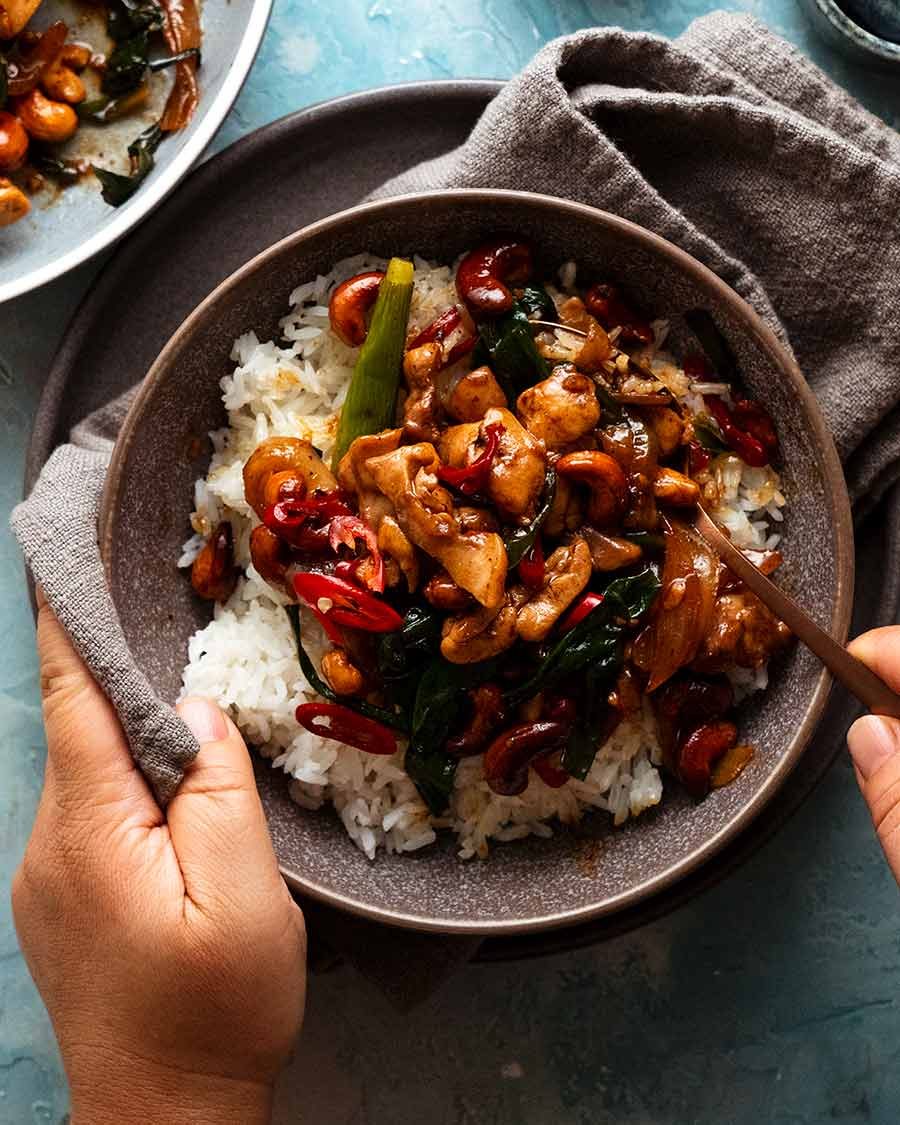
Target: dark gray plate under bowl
[122,316]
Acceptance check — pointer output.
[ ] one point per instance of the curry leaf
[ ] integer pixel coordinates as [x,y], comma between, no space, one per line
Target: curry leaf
[118,188]
[126,67]
[4,81]
[130,17]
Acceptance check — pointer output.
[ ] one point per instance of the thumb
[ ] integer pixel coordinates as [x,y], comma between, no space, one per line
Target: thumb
[874,744]
[216,820]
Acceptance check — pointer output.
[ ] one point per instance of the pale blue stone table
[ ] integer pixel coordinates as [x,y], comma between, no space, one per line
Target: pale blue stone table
[772,999]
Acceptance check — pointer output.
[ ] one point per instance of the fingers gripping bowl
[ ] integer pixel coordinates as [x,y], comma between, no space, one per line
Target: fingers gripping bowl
[575,872]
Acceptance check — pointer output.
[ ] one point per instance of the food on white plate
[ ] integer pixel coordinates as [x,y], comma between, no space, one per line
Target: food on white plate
[51,84]
[455,581]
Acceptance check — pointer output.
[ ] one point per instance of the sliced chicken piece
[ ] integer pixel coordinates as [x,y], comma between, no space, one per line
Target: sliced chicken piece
[474,394]
[478,634]
[394,543]
[422,411]
[519,466]
[610,552]
[560,409]
[475,561]
[743,631]
[567,572]
[355,478]
[14,14]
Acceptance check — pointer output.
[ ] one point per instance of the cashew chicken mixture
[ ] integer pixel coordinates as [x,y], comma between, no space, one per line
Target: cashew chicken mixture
[499,546]
[52,83]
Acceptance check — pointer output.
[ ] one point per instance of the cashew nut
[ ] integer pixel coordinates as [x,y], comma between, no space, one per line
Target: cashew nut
[283,460]
[604,477]
[45,120]
[672,487]
[14,203]
[349,304]
[340,671]
[13,142]
[214,575]
[482,273]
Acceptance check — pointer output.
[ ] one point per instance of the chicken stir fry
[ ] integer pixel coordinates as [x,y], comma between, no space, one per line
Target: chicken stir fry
[50,85]
[501,551]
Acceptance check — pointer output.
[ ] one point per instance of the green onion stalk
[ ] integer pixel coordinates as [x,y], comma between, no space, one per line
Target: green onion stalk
[370,403]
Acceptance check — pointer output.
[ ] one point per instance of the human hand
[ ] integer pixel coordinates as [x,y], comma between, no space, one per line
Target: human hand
[166,947]
[874,743]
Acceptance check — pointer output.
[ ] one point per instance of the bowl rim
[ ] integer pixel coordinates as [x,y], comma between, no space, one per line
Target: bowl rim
[834,486]
[854,34]
[125,219]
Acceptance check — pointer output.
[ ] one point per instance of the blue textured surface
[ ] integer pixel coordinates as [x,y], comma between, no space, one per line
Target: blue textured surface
[771,999]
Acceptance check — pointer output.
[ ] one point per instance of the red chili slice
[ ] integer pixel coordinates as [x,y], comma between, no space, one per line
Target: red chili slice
[580,610]
[744,444]
[700,457]
[531,567]
[344,725]
[345,530]
[459,350]
[351,605]
[697,368]
[605,303]
[439,329]
[753,418]
[474,478]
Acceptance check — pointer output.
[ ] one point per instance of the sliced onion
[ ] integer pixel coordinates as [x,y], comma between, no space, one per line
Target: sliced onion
[679,626]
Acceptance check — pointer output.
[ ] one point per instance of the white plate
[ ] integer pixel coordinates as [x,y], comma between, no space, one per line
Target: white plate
[65,229]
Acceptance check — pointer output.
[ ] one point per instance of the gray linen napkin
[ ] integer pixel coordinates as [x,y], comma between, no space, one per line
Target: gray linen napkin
[725,141]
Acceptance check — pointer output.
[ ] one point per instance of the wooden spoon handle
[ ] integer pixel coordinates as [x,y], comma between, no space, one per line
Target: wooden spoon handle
[871,691]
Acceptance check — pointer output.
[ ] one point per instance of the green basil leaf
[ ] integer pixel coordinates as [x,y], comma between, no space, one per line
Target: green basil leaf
[707,434]
[402,655]
[538,304]
[520,540]
[507,346]
[440,700]
[596,641]
[433,773]
[315,681]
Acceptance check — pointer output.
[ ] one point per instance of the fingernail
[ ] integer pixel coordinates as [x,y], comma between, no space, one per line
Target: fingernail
[871,741]
[205,719]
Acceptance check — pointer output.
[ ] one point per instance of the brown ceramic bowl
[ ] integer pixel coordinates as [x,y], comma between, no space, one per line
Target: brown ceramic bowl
[536,883]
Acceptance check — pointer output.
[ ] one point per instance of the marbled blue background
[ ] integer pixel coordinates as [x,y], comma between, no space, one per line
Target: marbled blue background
[773,999]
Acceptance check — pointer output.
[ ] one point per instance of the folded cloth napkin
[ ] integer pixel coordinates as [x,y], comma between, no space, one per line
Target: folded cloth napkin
[725,141]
